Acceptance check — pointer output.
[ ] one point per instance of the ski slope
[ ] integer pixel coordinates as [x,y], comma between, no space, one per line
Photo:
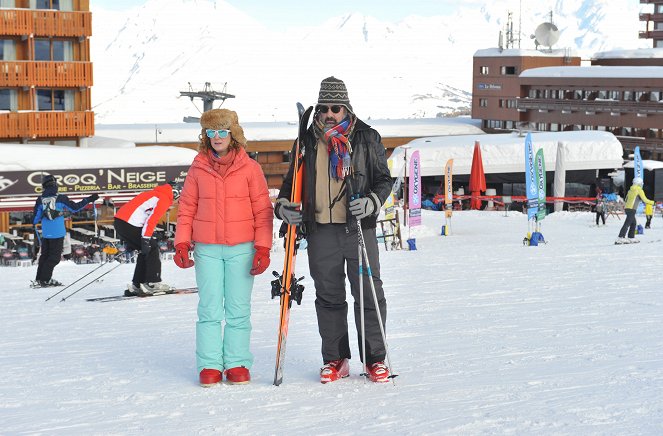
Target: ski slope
[487,336]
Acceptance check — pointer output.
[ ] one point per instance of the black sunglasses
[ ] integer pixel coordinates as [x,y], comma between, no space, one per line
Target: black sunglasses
[324,108]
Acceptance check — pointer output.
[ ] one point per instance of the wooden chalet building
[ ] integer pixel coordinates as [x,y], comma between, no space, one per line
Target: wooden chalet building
[45,71]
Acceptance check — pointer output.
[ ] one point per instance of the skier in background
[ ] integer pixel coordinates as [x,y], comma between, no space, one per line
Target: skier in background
[135,223]
[226,211]
[49,210]
[649,213]
[633,197]
[340,149]
[600,206]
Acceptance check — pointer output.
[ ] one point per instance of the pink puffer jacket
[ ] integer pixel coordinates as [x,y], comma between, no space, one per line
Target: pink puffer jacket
[229,209]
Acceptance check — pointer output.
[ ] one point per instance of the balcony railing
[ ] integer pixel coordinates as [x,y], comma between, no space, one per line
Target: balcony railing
[46,73]
[45,22]
[651,34]
[651,17]
[47,124]
[643,107]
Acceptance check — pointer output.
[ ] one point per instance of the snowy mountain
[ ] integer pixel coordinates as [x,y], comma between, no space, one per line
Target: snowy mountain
[417,67]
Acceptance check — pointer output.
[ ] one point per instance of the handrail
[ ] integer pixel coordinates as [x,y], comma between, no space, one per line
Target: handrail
[66,74]
[590,105]
[46,124]
[45,22]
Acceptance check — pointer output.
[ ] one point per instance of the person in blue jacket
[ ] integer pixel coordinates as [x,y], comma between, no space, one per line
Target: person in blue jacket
[49,210]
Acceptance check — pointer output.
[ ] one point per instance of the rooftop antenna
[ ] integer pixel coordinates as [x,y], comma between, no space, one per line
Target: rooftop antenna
[546,34]
[509,30]
[208,96]
[520,20]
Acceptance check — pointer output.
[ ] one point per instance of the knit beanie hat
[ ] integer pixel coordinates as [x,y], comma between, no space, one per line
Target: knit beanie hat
[333,91]
[48,180]
[219,119]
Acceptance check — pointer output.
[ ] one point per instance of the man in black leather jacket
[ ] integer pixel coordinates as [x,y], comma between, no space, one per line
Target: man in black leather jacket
[346,181]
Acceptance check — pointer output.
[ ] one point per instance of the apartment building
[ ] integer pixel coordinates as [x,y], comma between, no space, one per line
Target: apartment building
[45,71]
[621,92]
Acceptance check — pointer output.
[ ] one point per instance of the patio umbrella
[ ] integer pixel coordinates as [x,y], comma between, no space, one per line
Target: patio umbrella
[477,177]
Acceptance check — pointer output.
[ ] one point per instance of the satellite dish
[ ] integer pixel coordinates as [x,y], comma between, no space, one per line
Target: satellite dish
[546,34]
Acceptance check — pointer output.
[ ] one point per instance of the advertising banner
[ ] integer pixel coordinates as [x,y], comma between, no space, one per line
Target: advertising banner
[89,180]
[415,190]
[531,186]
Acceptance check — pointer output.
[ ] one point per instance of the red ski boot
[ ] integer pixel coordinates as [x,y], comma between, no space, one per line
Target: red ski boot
[209,377]
[334,370]
[378,372]
[238,376]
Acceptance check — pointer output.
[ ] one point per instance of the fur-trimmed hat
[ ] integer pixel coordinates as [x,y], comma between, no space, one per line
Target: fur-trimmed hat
[218,119]
[333,91]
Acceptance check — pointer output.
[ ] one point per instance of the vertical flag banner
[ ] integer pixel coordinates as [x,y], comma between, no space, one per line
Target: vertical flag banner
[530,179]
[559,183]
[415,190]
[541,184]
[448,190]
[389,211]
[637,164]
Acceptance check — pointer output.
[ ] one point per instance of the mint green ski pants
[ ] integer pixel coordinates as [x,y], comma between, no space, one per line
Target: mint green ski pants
[223,330]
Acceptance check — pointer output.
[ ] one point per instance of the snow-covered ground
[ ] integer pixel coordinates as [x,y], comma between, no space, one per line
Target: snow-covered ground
[487,336]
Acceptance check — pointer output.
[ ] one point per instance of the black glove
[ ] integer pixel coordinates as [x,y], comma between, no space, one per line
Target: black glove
[145,246]
[92,198]
[362,207]
[288,211]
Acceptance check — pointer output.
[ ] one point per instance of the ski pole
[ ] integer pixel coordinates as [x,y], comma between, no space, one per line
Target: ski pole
[362,243]
[96,227]
[90,282]
[71,284]
[364,252]
[361,316]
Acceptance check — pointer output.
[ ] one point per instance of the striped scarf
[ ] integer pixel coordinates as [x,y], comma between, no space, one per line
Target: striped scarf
[339,148]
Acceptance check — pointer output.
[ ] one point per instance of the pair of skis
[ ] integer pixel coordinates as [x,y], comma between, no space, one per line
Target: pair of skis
[287,286]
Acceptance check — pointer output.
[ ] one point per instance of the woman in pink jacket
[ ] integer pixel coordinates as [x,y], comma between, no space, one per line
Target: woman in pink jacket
[226,211]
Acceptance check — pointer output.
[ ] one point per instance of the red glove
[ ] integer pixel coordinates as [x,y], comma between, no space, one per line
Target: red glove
[182,255]
[260,261]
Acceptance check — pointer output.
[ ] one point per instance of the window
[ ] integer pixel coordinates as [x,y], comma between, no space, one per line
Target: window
[7,50]
[50,99]
[508,71]
[48,4]
[483,70]
[8,100]
[42,49]
[53,50]
[483,102]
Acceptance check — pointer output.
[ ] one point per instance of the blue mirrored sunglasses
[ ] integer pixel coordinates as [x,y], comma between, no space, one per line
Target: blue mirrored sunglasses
[222,133]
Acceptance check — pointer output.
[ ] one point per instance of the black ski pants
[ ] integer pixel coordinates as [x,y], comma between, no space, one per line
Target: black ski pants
[630,223]
[49,256]
[600,215]
[333,251]
[148,268]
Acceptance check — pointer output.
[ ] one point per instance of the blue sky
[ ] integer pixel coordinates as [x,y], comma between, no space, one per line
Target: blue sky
[276,15]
